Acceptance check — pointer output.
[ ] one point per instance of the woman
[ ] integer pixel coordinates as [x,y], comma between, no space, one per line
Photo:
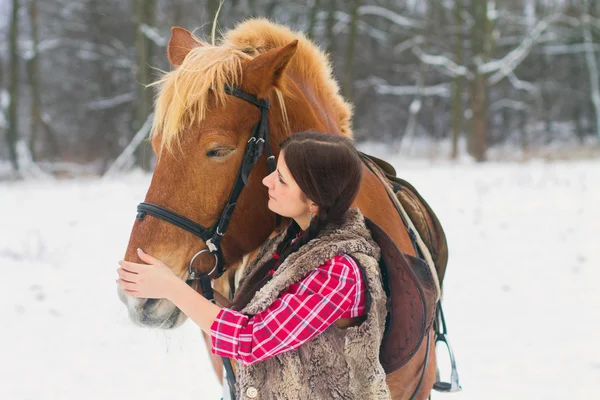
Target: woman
[309,315]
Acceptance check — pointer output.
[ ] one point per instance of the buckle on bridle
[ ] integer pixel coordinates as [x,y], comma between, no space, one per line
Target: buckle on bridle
[193,275]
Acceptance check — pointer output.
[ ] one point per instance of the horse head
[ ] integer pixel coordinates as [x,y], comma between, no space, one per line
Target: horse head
[200,135]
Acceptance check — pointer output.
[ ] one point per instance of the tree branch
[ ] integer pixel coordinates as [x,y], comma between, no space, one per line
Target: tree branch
[104,104]
[153,34]
[382,87]
[512,60]
[390,16]
[444,63]
[126,155]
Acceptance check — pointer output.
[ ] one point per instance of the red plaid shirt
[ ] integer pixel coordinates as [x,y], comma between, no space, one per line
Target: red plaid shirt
[333,290]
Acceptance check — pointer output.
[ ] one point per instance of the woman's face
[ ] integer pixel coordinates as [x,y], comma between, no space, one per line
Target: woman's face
[285,196]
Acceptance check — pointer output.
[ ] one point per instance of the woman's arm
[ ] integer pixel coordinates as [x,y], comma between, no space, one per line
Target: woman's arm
[302,312]
[306,309]
[194,305]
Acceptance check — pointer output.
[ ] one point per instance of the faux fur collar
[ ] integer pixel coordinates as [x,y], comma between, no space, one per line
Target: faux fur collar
[348,238]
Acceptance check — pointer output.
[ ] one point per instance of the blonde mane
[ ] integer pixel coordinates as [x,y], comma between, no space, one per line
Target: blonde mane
[184,92]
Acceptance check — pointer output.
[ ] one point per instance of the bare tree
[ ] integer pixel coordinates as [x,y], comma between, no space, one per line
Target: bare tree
[457,89]
[331,10]
[144,19]
[350,51]
[592,64]
[480,40]
[12,133]
[312,18]
[33,73]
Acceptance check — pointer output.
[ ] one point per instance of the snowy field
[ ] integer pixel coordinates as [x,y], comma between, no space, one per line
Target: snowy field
[521,296]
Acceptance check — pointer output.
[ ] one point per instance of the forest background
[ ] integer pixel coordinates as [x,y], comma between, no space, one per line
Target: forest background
[495,79]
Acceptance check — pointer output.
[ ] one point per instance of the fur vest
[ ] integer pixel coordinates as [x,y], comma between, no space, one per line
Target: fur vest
[338,363]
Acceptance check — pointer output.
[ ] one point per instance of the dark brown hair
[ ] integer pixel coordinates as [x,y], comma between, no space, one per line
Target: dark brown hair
[328,170]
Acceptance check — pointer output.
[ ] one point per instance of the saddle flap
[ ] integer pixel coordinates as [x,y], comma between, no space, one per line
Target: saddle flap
[411,301]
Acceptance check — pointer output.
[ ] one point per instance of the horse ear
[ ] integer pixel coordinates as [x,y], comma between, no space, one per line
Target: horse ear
[180,44]
[266,70]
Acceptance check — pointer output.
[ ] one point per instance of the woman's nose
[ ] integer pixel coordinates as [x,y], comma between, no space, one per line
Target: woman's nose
[267,180]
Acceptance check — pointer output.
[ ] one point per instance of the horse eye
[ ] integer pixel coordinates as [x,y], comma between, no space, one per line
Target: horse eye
[217,153]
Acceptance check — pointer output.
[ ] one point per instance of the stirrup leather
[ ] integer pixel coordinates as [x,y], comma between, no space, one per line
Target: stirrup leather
[440,336]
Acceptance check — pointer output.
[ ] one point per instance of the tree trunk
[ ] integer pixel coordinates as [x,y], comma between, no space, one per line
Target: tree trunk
[330,23]
[579,132]
[546,98]
[106,138]
[506,113]
[270,9]
[51,138]
[350,50]
[457,106]
[478,143]
[592,65]
[252,8]
[480,123]
[312,19]
[13,105]
[544,75]
[144,15]
[523,134]
[33,72]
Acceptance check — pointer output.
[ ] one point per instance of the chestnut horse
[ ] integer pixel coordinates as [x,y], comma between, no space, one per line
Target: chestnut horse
[200,133]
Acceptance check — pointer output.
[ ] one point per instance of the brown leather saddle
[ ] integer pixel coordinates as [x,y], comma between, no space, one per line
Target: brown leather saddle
[422,216]
[410,288]
[411,302]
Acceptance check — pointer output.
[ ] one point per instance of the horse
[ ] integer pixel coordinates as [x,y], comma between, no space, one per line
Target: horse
[210,108]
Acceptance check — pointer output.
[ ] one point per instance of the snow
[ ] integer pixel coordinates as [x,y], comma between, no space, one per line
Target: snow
[520,296]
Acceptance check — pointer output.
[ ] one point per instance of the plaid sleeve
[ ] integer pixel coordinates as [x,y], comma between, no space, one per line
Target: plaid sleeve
[305,309]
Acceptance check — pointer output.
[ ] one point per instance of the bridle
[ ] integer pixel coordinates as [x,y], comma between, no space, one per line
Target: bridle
[258,142]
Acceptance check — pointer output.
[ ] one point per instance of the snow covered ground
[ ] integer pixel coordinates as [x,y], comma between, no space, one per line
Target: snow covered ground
[521,296]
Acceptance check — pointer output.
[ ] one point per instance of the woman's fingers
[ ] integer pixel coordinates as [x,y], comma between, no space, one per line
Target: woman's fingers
[131,292]
[132,267]
[126,275]
[147,258]
[127,286]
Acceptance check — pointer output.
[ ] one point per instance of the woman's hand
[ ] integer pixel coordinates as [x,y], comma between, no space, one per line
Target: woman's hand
[153,280]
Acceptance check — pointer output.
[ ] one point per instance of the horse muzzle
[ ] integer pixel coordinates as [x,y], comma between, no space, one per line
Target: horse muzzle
[152,313]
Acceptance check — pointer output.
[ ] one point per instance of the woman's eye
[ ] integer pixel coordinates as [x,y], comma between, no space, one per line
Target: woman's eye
[280,181]
[217,153]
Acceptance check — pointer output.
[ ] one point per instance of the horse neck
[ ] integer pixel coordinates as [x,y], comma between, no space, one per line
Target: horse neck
[308,110]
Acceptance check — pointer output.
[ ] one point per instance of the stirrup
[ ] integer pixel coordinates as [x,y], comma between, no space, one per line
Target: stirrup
[453,385]
[440,336]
